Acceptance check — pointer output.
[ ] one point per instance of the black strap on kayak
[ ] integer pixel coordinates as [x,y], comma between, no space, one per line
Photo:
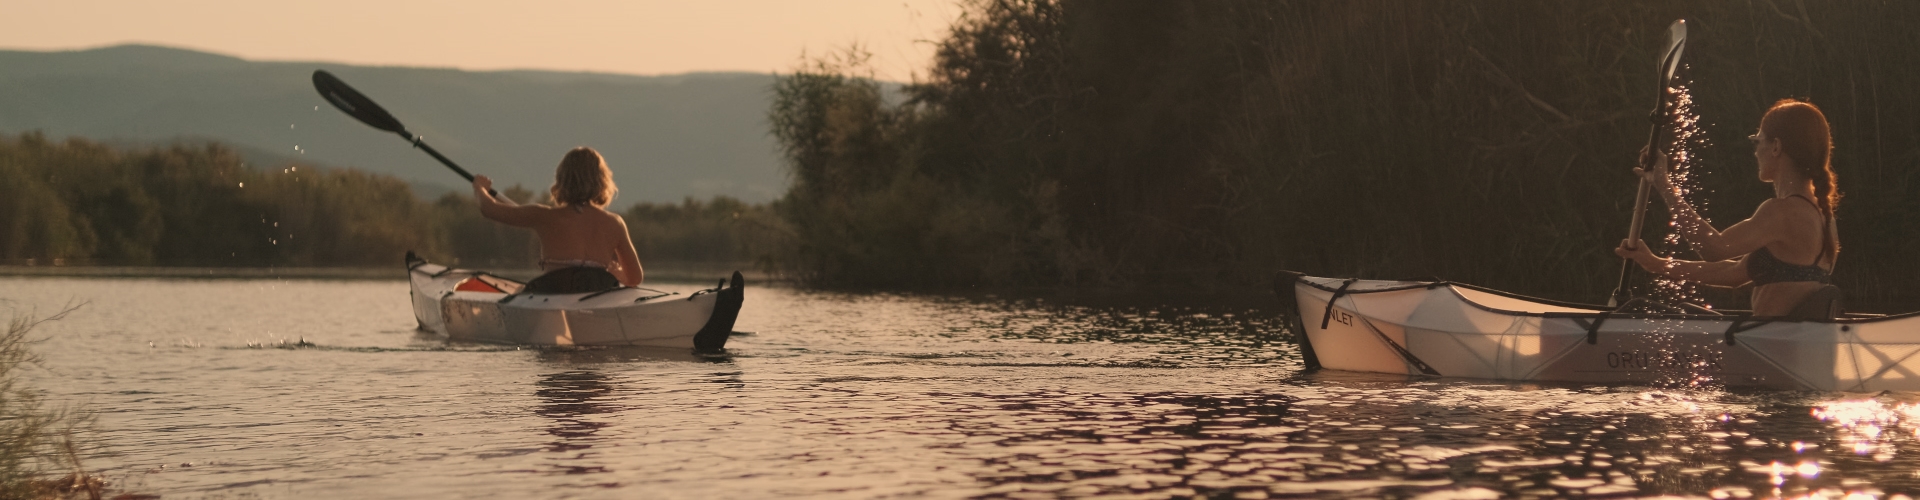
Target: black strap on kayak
[604,292]
[1328,316]
[1740,325]
[1593,327]
[1405,355]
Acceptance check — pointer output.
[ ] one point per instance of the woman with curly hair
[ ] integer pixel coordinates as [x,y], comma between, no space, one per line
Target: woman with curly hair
[583,247]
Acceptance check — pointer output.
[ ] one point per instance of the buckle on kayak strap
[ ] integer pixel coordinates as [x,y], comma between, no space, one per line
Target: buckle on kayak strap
[1328,316]
[1741,325]
[1593,328]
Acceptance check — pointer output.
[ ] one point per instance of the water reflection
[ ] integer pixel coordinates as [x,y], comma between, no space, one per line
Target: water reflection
[584,402]
[1404,440]
[889,396]
[1169,443]
[574,400]
[629,354]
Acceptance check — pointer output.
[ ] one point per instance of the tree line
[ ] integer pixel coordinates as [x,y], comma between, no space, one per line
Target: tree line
[1152,143]
[81,202]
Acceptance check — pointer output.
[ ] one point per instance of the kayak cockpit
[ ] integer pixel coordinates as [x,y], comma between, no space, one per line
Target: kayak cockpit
[487,283]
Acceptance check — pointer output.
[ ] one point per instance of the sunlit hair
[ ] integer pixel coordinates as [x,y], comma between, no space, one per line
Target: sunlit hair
[1807,139]
[583,179]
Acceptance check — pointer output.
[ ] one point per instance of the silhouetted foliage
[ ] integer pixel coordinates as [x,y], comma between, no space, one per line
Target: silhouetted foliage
[80,202]
[39,442]
[719,230]
[1151,142]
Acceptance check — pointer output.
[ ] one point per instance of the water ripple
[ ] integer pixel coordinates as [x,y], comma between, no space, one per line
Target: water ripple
[322,389]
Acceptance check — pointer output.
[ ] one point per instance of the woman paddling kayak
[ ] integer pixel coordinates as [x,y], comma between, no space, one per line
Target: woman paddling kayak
[1786,249]
[583,247]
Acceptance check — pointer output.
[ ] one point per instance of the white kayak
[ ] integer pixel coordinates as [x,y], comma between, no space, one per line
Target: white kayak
[475,306]
[1446,329]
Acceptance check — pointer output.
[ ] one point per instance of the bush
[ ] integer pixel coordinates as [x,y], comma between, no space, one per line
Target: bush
[39,454]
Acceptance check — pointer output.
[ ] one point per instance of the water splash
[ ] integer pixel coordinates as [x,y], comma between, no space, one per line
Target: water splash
[1687,138]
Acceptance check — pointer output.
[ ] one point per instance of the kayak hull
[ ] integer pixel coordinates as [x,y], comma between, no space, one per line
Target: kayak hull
[474,306]
[1445,329]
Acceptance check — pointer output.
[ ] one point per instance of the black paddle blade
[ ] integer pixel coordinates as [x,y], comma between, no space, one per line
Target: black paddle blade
[356,105]
[1676,43]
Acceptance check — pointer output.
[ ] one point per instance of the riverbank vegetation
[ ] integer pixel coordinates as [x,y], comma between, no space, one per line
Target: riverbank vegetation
[1141,142]
[80,202]
[39,448]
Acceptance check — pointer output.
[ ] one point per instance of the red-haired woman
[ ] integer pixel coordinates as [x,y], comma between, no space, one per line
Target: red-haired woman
[1787,248]
[583,247]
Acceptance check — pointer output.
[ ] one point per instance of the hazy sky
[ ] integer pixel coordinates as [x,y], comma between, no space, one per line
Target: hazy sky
[620,36]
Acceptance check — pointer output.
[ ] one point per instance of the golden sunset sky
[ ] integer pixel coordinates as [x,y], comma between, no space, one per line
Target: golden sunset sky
[616,36]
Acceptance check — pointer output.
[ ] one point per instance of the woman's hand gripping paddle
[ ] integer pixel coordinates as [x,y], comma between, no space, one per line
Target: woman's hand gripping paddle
[1676,43]
[358,106]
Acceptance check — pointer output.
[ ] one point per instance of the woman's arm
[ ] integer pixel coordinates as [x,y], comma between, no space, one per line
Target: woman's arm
[630,272]
[1712,245]
[502,209]
[1724,273]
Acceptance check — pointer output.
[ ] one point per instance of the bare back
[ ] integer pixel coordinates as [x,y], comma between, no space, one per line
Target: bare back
[576,233]
[1805,232]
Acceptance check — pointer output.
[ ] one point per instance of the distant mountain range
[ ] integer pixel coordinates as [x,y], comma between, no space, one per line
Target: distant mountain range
[666,137]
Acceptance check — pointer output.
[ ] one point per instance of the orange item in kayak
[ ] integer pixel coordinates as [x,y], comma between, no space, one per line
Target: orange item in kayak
[475,285]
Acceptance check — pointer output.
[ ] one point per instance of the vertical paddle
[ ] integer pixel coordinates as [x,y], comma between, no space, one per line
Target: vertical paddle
[358,106]
[1676,43]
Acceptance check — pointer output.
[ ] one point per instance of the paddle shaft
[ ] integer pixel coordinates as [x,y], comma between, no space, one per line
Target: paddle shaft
[1621,291]
[1676,42]
[422,145]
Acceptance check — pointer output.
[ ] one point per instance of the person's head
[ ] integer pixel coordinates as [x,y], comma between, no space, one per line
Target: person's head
[1794,137]
[583,179]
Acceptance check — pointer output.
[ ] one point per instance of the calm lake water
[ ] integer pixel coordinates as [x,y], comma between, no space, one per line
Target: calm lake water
[203,390]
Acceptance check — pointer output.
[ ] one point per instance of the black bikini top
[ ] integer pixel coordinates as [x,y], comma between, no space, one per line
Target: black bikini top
[1763,268]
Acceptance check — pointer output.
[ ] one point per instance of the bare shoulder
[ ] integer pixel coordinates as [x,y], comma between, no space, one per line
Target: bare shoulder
[529,213]
[609,218]
[540,210]
[1788,212]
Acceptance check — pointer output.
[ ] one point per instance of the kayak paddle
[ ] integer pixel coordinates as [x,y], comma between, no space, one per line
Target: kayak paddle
[1676,43]
[358,106]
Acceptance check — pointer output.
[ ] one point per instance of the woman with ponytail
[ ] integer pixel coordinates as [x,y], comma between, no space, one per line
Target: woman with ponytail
[1787,248]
